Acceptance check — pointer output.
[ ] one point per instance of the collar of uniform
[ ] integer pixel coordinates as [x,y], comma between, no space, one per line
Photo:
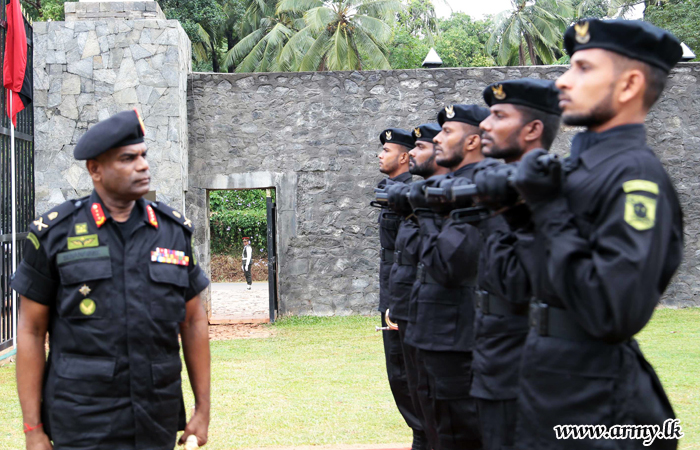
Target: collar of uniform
[402,178]
[587,144]
[95,198]
[465,171]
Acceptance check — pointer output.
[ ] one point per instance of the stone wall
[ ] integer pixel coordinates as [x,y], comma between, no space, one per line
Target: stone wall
[88,70]
[316,135]
[95,10]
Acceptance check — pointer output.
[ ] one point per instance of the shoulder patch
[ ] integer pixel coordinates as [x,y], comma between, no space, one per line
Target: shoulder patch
[52,218]
[174,215]
[640,211]
[640,186]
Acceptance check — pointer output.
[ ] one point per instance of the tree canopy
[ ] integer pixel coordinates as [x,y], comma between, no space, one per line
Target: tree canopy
[294,35]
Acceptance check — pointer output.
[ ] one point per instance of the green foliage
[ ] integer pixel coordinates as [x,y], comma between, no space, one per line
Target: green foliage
[406,50]
[680,17]
[235,214]
[460,42]
[45,10]
[532,33]
[587,9]
[418,18]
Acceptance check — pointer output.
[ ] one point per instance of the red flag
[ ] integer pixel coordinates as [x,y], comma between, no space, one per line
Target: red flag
[15,76]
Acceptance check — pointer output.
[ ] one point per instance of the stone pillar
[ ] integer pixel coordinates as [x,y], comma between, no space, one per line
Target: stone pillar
[106,58]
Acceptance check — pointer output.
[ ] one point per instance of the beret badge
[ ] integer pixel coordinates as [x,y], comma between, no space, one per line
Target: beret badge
[450,111]
[417,132]
[583,36]
[498,92]
[388,135]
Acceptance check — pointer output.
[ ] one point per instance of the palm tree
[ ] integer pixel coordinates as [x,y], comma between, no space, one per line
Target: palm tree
[339,34]
[532,33]
[263,34]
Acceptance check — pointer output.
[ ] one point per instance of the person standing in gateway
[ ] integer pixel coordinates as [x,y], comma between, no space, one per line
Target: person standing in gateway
[246,259]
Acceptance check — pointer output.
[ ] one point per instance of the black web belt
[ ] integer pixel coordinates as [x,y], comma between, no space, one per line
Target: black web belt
[556,322]
[426,278]
[387,256]
[493,304]
[400,259]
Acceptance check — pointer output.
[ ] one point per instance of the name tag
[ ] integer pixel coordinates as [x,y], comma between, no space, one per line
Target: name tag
[167,256]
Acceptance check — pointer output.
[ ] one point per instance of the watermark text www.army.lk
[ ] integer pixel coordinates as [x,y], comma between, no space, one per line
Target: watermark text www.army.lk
[671,429]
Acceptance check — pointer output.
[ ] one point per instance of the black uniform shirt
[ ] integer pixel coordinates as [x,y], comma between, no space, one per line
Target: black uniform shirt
[115,308]
[609,246]
[442,300]
[403,272]
[388,229]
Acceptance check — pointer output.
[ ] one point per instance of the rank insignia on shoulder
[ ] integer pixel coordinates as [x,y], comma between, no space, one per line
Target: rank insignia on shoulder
[98,214]
[177,214]
[152,219]
[77,242]
[167,256]
[88,307]
[52,215]
[81,228]
[39,224]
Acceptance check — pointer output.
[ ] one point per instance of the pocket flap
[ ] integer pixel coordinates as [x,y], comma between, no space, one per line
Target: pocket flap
[169,274]
[166,372]
[84,268]
[79,367]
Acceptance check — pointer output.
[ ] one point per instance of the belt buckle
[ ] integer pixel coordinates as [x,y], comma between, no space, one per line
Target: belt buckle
[539,312]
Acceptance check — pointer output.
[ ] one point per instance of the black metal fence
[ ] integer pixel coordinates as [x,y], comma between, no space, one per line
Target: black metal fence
[24,201]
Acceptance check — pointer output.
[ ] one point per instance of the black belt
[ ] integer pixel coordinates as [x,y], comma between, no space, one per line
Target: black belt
[387,256]
[400,259]
[556,322]
[492,304]
[425,278]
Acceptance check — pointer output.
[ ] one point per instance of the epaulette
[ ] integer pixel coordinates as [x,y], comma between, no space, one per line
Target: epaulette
[175,215]
[52,218]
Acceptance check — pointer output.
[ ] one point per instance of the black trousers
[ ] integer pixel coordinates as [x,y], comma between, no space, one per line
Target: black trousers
[418,387]
[396,370]
[248,275]
[449,381]
[497,419]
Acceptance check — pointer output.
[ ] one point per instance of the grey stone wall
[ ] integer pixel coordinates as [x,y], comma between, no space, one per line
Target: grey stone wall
[92,10]
[88,70]
[319,131]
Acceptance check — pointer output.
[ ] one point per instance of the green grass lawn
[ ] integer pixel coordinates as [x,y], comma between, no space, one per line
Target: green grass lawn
[322,381]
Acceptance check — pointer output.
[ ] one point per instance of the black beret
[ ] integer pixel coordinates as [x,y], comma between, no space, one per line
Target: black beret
[471,114]
[426,132]
[631,38]
[538,94]
[124,128]
[397,136]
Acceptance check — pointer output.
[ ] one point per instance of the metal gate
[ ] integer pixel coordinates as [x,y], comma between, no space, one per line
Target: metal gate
[24,163]
[272,254]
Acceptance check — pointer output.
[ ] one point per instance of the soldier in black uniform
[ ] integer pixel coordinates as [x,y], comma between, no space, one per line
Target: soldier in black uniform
[114,280]
[393,162]
[403,272]
[609,239]
[445,287]
[525,115]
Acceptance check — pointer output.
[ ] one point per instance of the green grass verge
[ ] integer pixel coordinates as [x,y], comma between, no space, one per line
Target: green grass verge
[322,381]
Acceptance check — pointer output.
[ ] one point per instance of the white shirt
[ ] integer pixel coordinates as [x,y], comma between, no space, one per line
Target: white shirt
[247,256]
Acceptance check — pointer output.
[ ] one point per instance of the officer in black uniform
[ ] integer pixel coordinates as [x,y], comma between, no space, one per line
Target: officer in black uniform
[610,237]
[525,115]
[114,280]
[445,287]
[393,162]
[403,272]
